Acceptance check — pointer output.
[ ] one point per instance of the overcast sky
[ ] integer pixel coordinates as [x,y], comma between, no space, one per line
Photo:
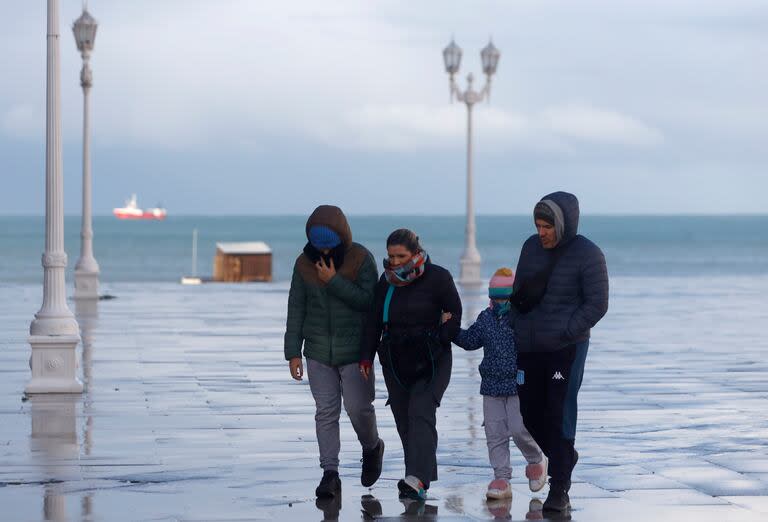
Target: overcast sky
[254,107]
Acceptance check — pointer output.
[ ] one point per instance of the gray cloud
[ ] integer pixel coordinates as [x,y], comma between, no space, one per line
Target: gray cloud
[659,87]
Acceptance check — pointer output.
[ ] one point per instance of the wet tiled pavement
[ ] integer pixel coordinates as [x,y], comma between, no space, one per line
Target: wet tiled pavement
[190,414]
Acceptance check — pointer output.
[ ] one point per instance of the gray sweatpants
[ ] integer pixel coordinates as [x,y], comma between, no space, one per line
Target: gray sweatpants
[329,385]
[503,420]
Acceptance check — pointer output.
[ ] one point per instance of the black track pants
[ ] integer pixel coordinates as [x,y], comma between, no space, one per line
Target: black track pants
[550,385]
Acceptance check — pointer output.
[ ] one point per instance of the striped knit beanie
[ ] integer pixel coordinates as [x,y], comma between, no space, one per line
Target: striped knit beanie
[500,286]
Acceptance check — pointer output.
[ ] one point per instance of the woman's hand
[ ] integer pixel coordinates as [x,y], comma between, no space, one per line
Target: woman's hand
[325,272]
[365,369]
[297,368]
[445,317]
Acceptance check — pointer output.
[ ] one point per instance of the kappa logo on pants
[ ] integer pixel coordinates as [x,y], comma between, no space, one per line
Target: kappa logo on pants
[558,376]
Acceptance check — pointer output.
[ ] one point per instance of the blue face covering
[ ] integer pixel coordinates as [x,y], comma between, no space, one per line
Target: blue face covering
[501,309]
[323,237]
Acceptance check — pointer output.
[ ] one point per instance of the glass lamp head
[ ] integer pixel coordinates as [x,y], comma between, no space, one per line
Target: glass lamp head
[452,58]
[84,29]
[490,57]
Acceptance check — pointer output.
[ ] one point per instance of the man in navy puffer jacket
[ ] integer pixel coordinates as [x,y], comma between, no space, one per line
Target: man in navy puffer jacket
[553,337]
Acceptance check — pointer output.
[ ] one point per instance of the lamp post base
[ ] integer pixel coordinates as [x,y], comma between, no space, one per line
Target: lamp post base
[470,273]
[86,285]
[54,364]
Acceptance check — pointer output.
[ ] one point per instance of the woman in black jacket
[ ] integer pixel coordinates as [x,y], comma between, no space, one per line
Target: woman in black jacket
[414,350]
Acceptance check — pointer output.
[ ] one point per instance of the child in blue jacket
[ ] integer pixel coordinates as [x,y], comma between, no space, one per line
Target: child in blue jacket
[501,406]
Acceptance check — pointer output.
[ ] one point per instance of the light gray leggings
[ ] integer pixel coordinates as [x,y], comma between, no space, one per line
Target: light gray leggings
[503,421]
[329,384]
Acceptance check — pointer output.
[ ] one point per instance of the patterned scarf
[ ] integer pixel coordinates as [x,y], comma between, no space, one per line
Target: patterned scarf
[407,273]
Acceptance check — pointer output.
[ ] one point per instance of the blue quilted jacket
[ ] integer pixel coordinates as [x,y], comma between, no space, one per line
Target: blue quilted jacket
[577,292]
[498,369]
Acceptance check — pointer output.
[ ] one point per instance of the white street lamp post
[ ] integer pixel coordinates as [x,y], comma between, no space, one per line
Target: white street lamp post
[470,259]
[54,331]
[86,268]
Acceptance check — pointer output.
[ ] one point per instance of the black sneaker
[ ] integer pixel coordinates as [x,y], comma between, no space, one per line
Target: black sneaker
[402,488]
[411,487]
[417,509]
[330,485]
[330,506]
[557,500]
[372,465]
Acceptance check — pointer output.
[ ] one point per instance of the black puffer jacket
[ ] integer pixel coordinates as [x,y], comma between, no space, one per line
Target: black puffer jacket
[577,293]
[415,307]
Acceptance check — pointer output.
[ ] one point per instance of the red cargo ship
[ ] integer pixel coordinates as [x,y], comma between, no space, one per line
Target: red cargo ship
[132,211]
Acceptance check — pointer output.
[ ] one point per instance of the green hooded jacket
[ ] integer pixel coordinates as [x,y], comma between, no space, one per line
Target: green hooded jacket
[327,319]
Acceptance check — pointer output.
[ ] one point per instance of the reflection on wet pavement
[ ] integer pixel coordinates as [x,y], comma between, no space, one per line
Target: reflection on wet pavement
[54,448]
[189,414]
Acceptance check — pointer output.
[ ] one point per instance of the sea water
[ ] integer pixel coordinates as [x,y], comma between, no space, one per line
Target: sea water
[635,246]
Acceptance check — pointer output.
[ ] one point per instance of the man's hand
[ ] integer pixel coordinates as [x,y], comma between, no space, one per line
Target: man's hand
[325,272]
[445,317]
[297,368]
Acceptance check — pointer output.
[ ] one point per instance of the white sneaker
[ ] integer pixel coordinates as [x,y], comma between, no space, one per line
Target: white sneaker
[537,474]
[498,489]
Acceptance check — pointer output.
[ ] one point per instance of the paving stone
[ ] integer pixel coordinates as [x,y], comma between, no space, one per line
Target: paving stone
[190,414]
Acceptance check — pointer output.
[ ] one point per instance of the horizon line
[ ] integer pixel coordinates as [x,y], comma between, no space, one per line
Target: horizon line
[278,215]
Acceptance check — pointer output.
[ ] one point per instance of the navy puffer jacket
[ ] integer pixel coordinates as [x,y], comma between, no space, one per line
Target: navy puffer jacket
[577,293]
[498,368]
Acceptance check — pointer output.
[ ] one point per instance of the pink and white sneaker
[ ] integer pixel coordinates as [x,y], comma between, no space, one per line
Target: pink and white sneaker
[537,474]
[498,489]
[500,509]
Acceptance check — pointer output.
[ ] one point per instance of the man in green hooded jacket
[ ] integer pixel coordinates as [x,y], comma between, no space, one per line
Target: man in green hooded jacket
[331,293]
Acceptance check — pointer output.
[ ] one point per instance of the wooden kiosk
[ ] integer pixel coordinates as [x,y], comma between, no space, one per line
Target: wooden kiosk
[242,262]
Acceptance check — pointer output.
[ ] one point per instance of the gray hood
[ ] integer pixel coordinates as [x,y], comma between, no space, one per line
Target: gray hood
[569,208]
